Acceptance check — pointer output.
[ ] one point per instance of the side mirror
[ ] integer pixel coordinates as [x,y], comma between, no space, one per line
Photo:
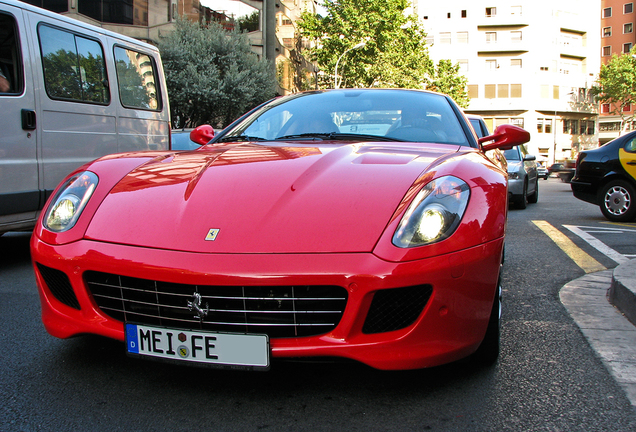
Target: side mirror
[530,157]
[202,134]
[505,137]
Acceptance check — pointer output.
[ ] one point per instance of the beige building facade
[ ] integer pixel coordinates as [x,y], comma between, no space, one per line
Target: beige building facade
[529,63]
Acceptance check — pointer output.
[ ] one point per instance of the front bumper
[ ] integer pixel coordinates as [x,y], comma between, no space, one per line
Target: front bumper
[515,187]
[450,326]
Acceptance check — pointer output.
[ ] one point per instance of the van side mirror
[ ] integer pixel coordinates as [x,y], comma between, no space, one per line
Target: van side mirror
[505,137]
[202,134]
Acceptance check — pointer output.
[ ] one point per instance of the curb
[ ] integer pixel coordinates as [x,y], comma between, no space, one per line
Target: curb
[622,292]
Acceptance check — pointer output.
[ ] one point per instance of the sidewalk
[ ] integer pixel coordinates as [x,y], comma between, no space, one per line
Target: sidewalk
[601,303]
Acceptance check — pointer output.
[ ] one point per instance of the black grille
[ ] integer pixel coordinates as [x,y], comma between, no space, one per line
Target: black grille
[396,308]
[278,311]
[59,285]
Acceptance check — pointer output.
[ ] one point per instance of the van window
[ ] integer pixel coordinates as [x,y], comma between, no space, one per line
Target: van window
[11,74]
[137,79]
[74,67]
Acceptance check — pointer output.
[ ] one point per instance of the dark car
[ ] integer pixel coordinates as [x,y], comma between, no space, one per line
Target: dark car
[606,176]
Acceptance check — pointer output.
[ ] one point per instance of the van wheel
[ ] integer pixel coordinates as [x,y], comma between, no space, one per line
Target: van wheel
[618,201]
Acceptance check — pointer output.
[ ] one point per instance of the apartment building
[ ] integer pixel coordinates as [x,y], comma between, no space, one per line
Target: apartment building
[146,20]
[529,63]
[617,37]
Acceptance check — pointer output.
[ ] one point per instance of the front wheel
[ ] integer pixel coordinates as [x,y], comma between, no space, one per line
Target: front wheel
[534,198]
[488,351]
[617,201]
[522,201]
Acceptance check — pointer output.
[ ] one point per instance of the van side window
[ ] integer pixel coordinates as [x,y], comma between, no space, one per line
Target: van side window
[137,79]
[74,67]
[11,76]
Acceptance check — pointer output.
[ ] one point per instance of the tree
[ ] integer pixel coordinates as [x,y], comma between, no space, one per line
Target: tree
[616,86]
[249,23]
[212,75]
[394,52]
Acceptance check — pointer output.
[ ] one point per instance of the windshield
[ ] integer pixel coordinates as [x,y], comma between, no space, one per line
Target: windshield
[512,155]
[395,115]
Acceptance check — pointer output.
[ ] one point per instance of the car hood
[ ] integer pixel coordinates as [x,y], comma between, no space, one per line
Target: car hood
[252,198]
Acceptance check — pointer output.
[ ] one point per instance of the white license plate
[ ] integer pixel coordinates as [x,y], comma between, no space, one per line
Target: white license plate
[205,348]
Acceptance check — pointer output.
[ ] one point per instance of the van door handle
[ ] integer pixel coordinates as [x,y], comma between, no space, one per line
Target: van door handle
[28,119]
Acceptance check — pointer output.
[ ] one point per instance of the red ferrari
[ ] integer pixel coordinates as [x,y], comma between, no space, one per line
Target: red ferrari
[361,224]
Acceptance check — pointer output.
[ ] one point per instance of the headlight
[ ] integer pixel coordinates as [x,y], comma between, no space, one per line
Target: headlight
[69,202]
[513,175]
[434,214]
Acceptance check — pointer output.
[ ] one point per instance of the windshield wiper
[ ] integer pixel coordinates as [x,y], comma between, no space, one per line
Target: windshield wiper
[240,138]
[337,136]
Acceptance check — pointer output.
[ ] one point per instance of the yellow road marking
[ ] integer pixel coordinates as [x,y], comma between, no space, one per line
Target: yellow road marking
[621,224]
[580,258]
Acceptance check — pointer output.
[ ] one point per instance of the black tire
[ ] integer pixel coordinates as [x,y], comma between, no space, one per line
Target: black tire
[522,201]
[532,199]
[618,201]
[488,351]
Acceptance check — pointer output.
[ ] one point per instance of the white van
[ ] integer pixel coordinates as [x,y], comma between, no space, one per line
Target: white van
[69,93]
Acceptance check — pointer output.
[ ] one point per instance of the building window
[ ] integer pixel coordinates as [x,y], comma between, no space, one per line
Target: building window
[503,91]
[607,12]
[52,5]
[463,65]
[491,64]
[605,108]
[473,91]
[491,11]
[515,10]
[627,107]
[628,28]
[544,68]
[445,38]
[628,8]
[448,15]
[515,90]
[491,37]
[462,37]
[555,92]
[607,31]
[607,51]
[464,14]
[515,36]
[591,125]
[627,48]
[490,91]
[515,63]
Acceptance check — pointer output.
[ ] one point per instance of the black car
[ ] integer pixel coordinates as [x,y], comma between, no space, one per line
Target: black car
[606,176]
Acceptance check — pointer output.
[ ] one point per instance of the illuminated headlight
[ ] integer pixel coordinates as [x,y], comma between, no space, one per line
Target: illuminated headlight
[69,202]
[434,214]
[513,175]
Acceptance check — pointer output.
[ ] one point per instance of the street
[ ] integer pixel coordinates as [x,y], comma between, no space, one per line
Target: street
[548,378]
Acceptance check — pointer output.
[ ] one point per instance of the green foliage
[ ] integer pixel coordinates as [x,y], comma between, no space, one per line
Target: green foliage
[394,55]
[249,23]
[446,79]
[616,85]
[212,75]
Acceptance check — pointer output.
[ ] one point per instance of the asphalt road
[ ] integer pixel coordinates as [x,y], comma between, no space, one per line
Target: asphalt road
[547,379]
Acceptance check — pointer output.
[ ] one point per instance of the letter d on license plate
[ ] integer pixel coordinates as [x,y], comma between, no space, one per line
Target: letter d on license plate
[200,347]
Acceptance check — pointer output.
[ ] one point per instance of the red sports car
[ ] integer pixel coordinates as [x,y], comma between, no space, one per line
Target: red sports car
[361,224]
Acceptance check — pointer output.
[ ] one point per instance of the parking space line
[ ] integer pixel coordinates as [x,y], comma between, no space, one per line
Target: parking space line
[598,245]
[580,258]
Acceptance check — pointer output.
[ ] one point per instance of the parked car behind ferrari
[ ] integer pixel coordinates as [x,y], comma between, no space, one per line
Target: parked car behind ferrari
[606,177]
[363,223]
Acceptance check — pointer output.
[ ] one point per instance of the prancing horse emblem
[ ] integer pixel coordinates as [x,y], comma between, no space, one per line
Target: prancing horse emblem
[194,305]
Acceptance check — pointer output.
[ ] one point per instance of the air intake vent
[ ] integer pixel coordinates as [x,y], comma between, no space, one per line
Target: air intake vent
[396,308]
[59,285]
[278,311]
